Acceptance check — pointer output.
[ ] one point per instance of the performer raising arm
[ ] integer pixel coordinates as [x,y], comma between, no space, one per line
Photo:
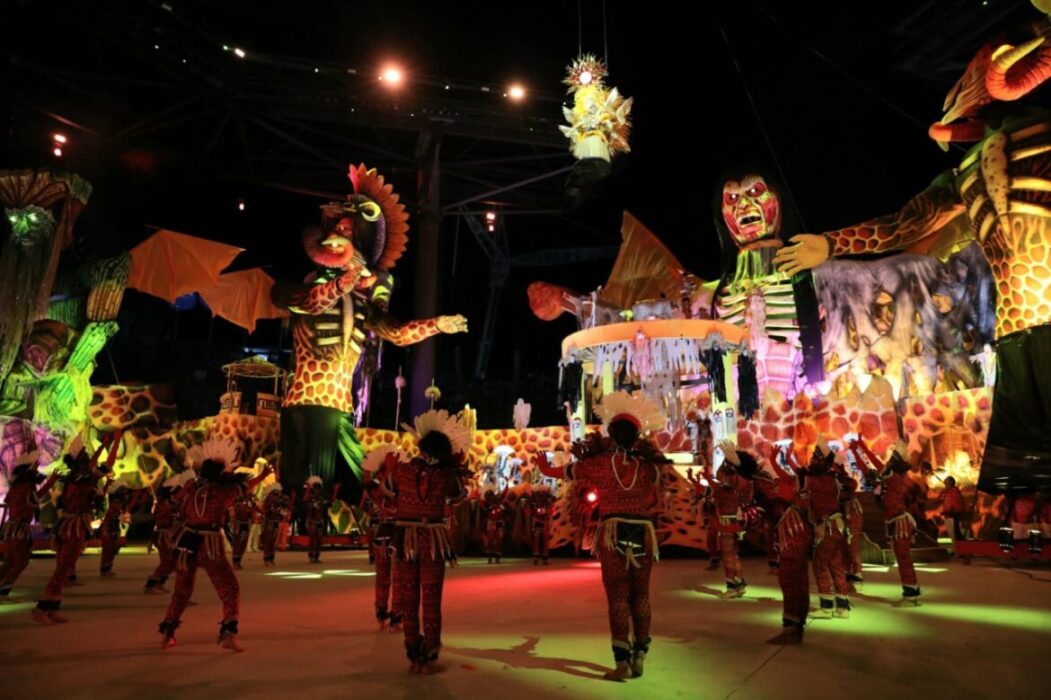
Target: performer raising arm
[624,470]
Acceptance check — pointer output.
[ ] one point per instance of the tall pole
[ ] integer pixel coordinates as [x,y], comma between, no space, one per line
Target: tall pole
[425,298]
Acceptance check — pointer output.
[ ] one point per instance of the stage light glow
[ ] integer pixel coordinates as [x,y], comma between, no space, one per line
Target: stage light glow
[392,75]
[240,205]
[239,52]
[585,77]
[592,497]
[57,152]
[516,92]
[59,138]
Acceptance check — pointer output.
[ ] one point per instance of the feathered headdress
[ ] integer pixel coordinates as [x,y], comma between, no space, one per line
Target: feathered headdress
[822,446]
[644,413]
[450,426]
[371,184]
[222,450]
[374,460]
[180,479]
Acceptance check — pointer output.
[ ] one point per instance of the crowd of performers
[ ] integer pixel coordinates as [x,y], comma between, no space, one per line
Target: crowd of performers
[806,512]
[813,512]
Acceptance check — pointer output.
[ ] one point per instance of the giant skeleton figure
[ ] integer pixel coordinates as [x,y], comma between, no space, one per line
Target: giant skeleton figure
[779,309]
[355,247]
[1003,187]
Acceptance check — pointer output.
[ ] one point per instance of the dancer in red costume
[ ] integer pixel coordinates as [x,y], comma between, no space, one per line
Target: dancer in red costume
[830,533]
[897,492]
[422,489]
[953,510]
[204,505]
[854,516]
[317,507]
[76,505]
[118,512]
[241,514]
[624,469]
[728,492]
[277,510]
[164,528]
[24,495]
[541,503]
[378,501]
[496,514]
[777,495]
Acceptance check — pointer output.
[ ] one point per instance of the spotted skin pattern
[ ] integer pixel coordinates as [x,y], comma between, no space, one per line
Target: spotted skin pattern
[1003,185]
[328,330]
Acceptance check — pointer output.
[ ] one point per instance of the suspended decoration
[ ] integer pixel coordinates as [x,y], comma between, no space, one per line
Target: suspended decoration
[600,121]
[597,126]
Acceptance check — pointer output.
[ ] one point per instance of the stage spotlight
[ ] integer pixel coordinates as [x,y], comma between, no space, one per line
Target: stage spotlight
[516,92]
[59,138]
[239,52]
[240,205]
[392,75]
[585,77]
[57,151]
[592,497]
[490,221]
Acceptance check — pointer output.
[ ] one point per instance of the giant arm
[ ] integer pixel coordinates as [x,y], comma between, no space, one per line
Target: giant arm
[924,215]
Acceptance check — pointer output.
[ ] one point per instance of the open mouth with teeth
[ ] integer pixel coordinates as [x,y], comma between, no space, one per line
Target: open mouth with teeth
[336,243]
[750,226]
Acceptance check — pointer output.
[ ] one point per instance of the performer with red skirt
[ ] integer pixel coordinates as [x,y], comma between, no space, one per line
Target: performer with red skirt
[541,503]
[777,496]
[378,501]
[76,506]
[204,505]
[422,489]
[241,515]
[24,496]
[317,507]
[896,495]
[496,514]
[277,510]
[164,528]
[624,469]
[118,512]
[830,533]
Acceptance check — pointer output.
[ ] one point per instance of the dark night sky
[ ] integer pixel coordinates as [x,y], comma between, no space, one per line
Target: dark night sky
[845,97]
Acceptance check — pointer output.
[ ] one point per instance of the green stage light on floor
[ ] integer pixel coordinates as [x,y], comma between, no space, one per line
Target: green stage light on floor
[1031,619]
[9,607]
[867,622]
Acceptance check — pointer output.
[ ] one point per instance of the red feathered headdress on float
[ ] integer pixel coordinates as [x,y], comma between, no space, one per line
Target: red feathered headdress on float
[372,185]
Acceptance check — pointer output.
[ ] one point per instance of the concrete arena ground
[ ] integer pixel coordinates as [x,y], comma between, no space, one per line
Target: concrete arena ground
[515,631]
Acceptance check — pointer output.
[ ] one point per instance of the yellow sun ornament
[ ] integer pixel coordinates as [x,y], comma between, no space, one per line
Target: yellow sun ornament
[600,120]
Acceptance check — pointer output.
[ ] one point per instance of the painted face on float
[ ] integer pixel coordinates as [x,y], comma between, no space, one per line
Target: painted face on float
[354,228]
[751,210]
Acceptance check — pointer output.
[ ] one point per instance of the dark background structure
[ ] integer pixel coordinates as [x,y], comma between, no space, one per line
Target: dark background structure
[173,131]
